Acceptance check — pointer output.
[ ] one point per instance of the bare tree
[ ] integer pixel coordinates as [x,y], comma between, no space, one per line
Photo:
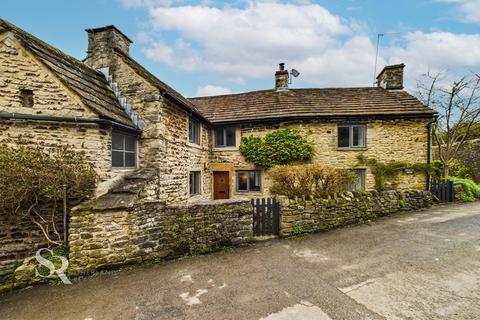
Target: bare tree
[458,105]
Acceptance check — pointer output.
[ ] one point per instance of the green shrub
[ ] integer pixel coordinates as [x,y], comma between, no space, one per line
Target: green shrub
[276,148]
[459,170]
[309,180]
[470,192]
[34,183]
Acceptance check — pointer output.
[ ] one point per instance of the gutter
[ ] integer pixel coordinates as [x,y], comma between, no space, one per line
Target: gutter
[330,118]
[105,122]
[429,147]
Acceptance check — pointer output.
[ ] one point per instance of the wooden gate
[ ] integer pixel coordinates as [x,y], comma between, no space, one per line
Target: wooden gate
[444,190]
[266,216]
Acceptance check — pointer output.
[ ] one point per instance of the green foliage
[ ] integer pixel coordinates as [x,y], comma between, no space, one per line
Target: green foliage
[402,203]
[297,229]
[470,190]
[185,219]
[277,148]
[33,181]
[309,180]
[459,170]
[383,171]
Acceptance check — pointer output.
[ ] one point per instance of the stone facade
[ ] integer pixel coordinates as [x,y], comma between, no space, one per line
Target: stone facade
[20,70]
[386,141]
[300,216]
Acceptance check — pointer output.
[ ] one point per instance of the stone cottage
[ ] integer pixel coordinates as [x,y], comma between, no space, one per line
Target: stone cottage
[126,119]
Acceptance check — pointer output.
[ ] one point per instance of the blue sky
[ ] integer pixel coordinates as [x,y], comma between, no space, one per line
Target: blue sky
[209,47]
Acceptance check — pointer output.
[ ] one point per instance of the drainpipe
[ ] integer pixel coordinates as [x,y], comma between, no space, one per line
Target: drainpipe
[429,148]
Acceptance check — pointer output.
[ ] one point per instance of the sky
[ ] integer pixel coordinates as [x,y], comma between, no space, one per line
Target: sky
[209,47]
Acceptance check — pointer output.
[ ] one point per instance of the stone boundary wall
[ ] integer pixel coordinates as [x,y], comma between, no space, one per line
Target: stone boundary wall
[106,238]
[299,216]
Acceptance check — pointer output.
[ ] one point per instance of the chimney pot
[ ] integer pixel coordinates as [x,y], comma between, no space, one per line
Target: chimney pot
[282,66]
[391,77]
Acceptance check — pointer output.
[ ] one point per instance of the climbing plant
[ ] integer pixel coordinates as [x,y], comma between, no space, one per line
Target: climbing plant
[279,147]
[383,171]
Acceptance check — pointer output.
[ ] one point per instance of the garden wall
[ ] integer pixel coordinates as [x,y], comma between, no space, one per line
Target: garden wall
[300,216]
[111,234]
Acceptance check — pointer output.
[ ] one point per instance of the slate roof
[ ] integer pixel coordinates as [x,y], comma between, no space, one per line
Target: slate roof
[300,103]
[89,84]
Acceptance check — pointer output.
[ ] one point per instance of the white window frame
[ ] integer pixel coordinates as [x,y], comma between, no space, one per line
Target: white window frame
[123,151]
[350,139]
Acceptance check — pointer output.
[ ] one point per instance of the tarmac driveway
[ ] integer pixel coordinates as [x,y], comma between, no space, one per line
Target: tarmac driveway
[421,265]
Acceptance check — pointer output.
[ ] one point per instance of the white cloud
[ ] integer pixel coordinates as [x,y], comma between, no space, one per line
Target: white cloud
[248,42]
[211,90]
[469,9]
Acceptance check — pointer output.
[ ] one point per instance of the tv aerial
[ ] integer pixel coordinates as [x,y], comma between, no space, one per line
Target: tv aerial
[295,73]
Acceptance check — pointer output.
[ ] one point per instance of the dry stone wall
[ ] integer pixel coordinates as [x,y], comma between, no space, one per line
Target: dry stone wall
[300,216]
[131,225]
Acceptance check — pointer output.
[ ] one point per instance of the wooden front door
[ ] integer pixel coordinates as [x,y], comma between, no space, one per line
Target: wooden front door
[221,185]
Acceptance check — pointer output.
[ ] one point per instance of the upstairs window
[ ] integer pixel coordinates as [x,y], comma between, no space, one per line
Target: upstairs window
[352,136]
[124,150]
[225,137]
[193,131]
[194,182]
[248,181]
[26,96]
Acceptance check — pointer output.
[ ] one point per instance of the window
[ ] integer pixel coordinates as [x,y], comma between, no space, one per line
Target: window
[124,150]
[26,96]
[352,136]
[359,183]
[249,181]
[225,137]
[193,131]
[194,182]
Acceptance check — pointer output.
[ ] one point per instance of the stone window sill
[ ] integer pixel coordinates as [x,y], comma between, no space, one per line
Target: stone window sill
[225,149]
[352,149]
[194,145]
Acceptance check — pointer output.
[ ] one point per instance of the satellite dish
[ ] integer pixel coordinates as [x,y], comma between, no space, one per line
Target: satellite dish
[294,73]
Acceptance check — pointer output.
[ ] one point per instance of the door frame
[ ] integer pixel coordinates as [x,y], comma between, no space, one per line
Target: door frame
[228,173]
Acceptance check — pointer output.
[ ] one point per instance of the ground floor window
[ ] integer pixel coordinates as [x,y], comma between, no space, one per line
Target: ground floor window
[359,183]
[194,182]
[124,150]
[249,181]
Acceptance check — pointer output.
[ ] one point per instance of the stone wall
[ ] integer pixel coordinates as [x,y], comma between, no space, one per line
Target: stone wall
[18,239]
[300,216]
[400,140]
[130,225]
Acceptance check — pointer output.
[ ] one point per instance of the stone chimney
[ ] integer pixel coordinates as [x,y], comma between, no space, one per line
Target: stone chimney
[103,41]
[391,77]
[281,78]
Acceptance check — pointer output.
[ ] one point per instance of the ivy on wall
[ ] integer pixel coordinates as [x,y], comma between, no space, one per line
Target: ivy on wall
[383,171]
[278,147]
